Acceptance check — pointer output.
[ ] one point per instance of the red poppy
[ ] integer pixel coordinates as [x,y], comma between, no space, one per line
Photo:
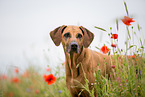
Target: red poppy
[4,77]
[48,69]
[37,91]
[127,20]
[113,45]
[113,66]
[114,36]
[133,56]
[118,78]
[104,49]
[11,94]
[15,80]
[31,87]
[16,70]
[26,74]
[50,79]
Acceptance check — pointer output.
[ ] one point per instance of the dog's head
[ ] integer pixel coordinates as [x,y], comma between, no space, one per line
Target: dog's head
[73,38]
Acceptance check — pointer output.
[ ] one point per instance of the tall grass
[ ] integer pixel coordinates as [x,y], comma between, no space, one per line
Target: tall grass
[31,84]
[129,70]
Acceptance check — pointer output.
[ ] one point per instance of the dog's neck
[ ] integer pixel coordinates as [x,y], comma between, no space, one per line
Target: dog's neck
[73,59]
[76,58]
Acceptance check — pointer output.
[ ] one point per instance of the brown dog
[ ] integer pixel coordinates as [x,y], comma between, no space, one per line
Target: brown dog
[75,41]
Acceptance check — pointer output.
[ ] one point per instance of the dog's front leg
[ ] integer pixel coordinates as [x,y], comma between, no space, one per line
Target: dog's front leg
[71,86]
[68,73]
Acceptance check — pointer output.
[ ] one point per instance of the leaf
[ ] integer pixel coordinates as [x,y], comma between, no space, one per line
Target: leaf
[97,48]
[109,53]
[78,65]
[142,47]
[100,28]
[108,34]
[119,50]
[80,92]
[131,47]
[141,42]
[126,8]
[117,24]
[138,26]
[128,32]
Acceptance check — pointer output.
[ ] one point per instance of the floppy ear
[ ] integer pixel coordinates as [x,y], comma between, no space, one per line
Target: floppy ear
[88,36]
[56,35]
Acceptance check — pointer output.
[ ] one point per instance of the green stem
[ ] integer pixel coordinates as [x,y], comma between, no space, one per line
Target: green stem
[126,8]
[128,32]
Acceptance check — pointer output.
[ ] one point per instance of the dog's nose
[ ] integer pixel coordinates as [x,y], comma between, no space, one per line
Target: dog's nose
[74,47]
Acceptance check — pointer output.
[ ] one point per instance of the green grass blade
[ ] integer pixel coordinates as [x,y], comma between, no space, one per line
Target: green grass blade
[128,32]
[131,47]
[117,24]
[138,26]
[100,28]
[141,43]
[97,48]
[126,8]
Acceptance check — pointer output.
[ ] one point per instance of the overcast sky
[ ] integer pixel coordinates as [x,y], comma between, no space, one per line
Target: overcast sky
[25,26]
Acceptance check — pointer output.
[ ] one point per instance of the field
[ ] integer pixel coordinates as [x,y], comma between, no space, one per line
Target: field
[129,75]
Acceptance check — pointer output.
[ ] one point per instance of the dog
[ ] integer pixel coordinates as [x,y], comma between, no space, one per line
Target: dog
[80,61]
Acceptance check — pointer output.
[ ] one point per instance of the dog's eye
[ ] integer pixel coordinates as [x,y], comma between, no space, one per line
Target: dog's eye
[67,35]
[79,36]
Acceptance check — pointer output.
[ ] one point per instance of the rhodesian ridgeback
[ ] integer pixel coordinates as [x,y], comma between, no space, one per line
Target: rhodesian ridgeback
[80,62]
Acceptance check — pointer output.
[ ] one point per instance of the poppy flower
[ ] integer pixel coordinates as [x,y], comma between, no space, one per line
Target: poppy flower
[47,69]
[104,49]
[118,78]
[50,79]
[133,56]
[15,80]
[127,20]
[37,91]
[113,45]
[10,94]
[31,87]
[16,70]
[26,74]
[3,77]
[114,36]
[113,66]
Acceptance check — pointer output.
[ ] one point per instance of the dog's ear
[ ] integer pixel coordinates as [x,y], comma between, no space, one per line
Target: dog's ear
[56,35]
[88,36]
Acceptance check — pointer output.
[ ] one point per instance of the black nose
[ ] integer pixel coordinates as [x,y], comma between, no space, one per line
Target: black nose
[74,47]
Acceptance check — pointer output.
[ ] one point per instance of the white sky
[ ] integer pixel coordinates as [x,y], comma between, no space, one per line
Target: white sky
[25,26]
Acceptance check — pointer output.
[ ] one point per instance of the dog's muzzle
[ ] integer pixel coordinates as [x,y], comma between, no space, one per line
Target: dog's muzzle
[73,47]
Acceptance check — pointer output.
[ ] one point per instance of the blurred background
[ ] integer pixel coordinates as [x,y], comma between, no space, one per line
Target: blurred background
[25,26]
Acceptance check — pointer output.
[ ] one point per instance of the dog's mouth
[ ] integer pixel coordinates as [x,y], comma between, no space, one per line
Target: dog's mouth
[73,47]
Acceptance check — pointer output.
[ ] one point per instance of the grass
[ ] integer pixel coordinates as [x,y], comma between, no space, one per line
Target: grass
[128,81]
[31,84]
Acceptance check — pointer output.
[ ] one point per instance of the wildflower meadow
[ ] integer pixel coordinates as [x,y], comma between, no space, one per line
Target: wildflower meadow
[129,75]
